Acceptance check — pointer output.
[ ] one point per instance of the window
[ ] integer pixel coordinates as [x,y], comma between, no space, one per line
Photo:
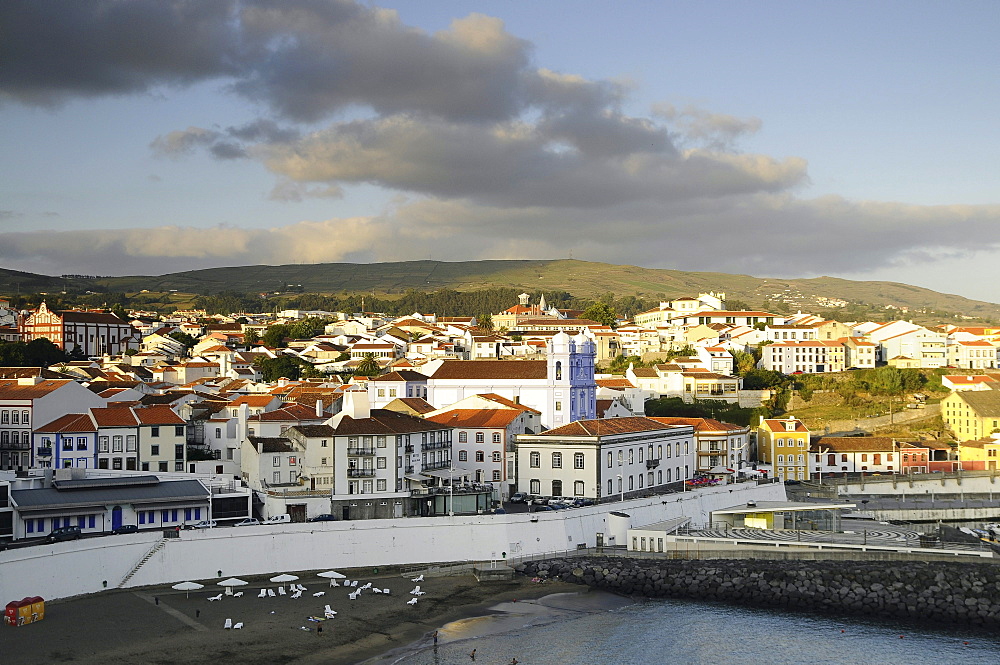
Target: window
[479,456]
[380,441]
[463,437]
[609,460]
[781,459]
[535,486]
[556,460]
[496,475]
[577,460]
[463,456]
[178,430]
[380,484]
[578,488]
[81,443]
[218,432]
[276,478]
[154,449]
[116,444]
[535,461]
[497,457]
[24,417]
[381,392]
[640,455]
[154,430]
[116,463]
[14,418]
[480,437]
[781,443]
[610,488]
[323,461]
[4,417]
[67,443]
[558,406]
[380,462]
[276,461]
[631,455]
[496,437]
[130,443]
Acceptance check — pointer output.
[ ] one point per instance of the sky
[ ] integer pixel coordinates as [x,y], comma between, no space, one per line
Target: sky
[779,139]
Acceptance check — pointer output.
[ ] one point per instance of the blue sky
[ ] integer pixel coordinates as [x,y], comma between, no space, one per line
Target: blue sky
[781,139]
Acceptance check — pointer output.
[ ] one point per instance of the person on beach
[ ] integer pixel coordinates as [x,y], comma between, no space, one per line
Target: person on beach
[435,636]
[514,661]
[472,654]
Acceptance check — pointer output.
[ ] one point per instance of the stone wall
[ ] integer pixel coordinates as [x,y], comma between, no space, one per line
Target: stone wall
[935,591]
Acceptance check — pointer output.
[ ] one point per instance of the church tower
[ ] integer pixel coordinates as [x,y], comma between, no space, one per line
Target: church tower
[572,387]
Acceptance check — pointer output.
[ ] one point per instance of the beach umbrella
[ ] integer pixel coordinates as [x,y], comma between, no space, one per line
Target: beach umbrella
[333,576]
[284,577]
[188,587]
[230,583]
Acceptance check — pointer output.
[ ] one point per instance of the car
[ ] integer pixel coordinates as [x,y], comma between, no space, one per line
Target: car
[583,502]
[279,519]
[206,524]
[124,528]
[250,521]
[519,497]
[541,508]
[540,501]
[325,517]
[792,482]
[499,511]
[64,533]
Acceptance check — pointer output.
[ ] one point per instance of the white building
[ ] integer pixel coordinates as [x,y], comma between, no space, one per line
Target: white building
[602,458]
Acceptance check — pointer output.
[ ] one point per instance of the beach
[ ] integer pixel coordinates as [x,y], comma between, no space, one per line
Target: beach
[161,626]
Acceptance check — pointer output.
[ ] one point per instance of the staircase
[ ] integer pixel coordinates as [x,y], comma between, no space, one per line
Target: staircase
[149,555]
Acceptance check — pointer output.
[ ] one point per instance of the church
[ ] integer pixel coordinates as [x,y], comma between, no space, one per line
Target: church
[561,387]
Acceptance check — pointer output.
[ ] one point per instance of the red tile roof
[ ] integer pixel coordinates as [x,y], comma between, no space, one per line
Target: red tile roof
[484,418]
[492,369]
[605,427]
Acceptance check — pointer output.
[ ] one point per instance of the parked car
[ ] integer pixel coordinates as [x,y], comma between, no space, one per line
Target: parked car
[583,502]
[543,508]
[125,528]
[250,521]
[540,501]
[326,517]
[206,524]
[279,519]
[519,497]
[65,533]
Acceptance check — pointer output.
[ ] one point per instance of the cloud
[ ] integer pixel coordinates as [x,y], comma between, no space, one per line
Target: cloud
[228,143]
[763,234]
[716,131]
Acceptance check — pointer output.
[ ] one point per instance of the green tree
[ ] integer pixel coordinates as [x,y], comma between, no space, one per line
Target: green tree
[743,362]
[251,338]
[42,353]
[368,366]
[283,366]
[187,340]
[603,313]
[274,336]
[485,323]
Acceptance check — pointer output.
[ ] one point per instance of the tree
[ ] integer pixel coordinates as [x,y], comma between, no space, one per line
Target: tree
[485,323]
[187,340]
[41,352]
[251,338]
[603,313]
[368,366]
[283,366]
[743,362]
[274,336]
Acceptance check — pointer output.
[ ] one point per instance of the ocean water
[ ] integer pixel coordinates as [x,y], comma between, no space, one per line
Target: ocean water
[599,629]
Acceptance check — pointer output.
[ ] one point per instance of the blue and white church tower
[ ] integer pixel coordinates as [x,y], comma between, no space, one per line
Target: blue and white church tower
[572,387]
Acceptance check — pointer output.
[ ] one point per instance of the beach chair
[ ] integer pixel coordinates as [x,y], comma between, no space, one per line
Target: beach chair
[385,591]
[368,585]
[416,590]
[297,594]
[319,593]
[281,591]
[229,624]
[238,626]
[214,598]
[262,594]
[354,583]
[237,594]
[411,601]
[270,593]
[377,590]
[418,578]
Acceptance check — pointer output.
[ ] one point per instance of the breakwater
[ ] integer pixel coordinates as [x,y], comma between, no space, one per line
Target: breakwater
[927,591]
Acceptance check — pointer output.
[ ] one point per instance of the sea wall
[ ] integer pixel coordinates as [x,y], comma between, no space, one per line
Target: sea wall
[934,591]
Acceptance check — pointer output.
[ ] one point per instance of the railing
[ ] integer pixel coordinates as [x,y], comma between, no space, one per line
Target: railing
[360,451]
[437,465]
[361,473]
[435,445]
[16,446]
[652,463]
[44,452]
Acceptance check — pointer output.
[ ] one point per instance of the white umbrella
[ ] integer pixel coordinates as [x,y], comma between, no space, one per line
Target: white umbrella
[333,576]
[284,577]
[188,587]
[230,583]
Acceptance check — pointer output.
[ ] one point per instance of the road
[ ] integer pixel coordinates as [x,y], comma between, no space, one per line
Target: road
[856,425]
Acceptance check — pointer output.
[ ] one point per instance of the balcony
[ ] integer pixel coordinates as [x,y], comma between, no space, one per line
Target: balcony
[409,448]
[652,463]
[436,445]
[44,452]
[21,445]
[361,451]
[361,473]
[437,465]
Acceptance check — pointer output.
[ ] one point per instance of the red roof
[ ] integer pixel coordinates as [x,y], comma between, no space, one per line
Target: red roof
[484,418]
[605,427]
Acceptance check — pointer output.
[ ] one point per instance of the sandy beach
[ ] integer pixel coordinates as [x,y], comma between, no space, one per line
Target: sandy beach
[162,626]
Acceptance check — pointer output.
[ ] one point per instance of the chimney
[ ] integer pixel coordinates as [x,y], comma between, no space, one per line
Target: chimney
[319,408]
[356,404]
[30,380]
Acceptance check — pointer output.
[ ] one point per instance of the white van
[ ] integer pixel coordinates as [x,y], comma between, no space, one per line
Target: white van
[279,519]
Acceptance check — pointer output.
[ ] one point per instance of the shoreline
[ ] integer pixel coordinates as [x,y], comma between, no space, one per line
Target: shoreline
[157,625]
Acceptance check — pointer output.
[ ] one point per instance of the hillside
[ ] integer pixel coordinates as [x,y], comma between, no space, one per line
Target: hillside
[581,278]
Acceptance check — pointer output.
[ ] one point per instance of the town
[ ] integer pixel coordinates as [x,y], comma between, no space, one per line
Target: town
[193,418]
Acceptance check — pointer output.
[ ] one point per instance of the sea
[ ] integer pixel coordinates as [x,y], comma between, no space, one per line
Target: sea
[602,629]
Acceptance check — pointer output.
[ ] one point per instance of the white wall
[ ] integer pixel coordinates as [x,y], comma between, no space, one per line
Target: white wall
[201,555]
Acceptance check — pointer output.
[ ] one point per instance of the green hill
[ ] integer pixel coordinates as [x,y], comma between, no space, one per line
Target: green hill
[583,279]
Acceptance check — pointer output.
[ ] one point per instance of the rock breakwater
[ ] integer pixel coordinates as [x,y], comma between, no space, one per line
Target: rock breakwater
[927,591]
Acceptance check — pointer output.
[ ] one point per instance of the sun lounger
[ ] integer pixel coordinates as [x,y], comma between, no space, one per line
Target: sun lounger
[418,578]
[281,591]
[213,598]
[238,626]
[297,594]
[319,593]
[270,593]
[237,594]
[262,594]
[385,591]
[411,601]
[416,590]
[229,624]
[354,583]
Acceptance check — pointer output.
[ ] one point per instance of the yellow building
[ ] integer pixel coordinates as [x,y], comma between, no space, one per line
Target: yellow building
[783,444]
[979,455]
[973,414]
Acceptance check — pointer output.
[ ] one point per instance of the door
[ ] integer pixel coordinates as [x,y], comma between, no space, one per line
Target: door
[397,510]
[297,512]
[116,517]
[346,512]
